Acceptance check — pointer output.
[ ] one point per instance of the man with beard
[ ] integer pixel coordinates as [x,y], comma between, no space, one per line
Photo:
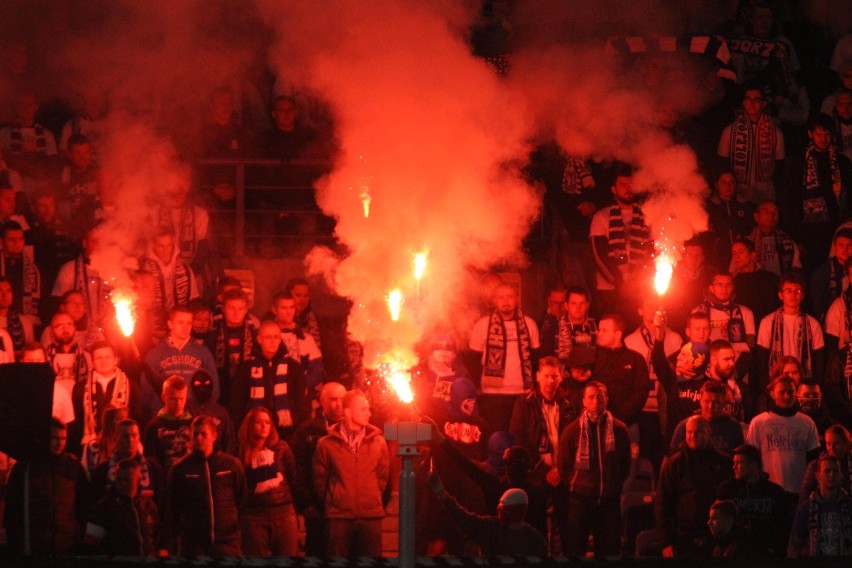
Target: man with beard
[507,342]
[537,420]
[594,462]
[304,443]
[128,446]
[621,245]
[271,379]
[762,506]
[687,488]
[574,326]
[85,331]
[67,357]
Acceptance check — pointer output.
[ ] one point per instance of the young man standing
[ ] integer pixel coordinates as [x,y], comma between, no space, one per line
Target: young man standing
[351,467]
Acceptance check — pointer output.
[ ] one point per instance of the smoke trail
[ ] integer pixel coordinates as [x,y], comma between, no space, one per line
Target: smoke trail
[432,135]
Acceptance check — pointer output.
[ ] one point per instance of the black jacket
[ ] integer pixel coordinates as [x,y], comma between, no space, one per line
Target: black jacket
[528,427]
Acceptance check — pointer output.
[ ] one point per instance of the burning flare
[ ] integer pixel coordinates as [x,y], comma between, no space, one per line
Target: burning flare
[664,273]
[124,315]
[395,303]
[365,201]
[400,381]
[420,260]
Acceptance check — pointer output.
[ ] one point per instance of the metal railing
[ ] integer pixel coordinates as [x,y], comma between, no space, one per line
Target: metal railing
[273,206]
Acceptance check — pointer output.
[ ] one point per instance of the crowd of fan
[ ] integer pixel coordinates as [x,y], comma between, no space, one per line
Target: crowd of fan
[210,431]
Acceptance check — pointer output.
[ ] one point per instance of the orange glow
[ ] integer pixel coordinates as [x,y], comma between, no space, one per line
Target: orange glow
[395,303]
[663,276]
[124,315]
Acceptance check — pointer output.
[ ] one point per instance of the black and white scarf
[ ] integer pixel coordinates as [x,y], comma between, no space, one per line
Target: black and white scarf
[257,392]
[31,283]
[81,365]
[120,396]
[576,170]
[785,245]
[582,461]
[568,333]
[495,348]
[184,231]
[735,328]
[745,140]
[181,284]
[16,145]
[222,349]
[844,535]
[15,327]
[145,485]
[628,245]
[84,279]
[811,181]
[803,341]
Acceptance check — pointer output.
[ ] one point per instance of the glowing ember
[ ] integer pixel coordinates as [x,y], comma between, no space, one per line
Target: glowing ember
[664,273]
[124,315]
[420,264]
[395,303]
[400,381]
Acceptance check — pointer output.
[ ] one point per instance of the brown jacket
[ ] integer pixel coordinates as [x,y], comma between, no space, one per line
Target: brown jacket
[350,483]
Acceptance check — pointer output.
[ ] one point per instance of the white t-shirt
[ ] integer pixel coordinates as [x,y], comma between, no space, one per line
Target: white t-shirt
[835,322]
[784,443]
[513,379]
[791,334]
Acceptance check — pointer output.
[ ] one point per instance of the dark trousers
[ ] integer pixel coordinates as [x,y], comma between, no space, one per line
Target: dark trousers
[316,531]
[351,538]
[270,531]
[600,517]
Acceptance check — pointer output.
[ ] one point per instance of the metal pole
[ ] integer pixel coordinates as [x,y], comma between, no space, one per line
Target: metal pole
[406,506]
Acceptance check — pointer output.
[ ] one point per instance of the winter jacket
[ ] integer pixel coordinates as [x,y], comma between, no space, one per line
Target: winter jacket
[625,374]
[205,496]
[615,464]
[352,483]
[529,429]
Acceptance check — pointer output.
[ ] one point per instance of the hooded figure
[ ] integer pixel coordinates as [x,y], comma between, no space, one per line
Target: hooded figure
[199,404]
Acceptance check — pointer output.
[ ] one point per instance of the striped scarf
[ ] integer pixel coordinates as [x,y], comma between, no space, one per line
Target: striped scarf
[582,460]
[184,230]
[84,279]
[81,365]
[145,485]
[843,533]
[811,183]
[628,245]
[257,391]
[247,342]
[15,327]
[352,438]
[570,334]
[753,149]
[803,341]
[735,327]
[181,286]
[32,280]
[495,349]
[16,134]
[784,244]
[91,412]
